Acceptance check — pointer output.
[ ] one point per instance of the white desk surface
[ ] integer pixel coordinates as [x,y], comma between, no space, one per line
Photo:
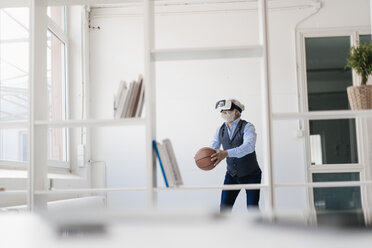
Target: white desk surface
[183,231]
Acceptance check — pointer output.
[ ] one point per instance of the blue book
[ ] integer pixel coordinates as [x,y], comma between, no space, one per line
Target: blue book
[161,164]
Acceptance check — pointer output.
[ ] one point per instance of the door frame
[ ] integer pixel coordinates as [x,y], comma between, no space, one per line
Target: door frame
[362,142]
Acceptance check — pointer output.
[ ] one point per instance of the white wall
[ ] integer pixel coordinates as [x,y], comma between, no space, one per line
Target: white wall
[187,90]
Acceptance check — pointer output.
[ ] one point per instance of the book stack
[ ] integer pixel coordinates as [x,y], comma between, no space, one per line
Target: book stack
[168,163]
[129,99]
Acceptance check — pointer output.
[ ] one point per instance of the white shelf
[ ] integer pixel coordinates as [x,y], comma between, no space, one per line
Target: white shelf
[99,3]
[323,115]
[227,187]
[279,185]
[87,191]
[220,187]
[13,124]
[323,184]
[88,2]
[206,53]
[93,122]
[13,192]
[104,190]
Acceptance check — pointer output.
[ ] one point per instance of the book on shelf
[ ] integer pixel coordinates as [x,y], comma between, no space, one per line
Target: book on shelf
[168,163]
[120,98]
[173,162]
[129,99]
[155,145]
[116,96]
[136,96]
[141,102]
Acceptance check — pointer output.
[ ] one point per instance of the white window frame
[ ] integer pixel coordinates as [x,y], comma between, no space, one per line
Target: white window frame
[359,167]
[53,165]
[62,35]
[21,133]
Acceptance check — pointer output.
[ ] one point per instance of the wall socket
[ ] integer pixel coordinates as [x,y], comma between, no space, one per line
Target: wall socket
[80,155]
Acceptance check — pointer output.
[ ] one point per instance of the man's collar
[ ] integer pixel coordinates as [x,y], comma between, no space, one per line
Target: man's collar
[234,123]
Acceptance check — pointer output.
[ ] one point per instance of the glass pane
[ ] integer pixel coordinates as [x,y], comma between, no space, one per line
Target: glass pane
[340,205]
[13,77]
[56,77]
[333,141]
[57,144]
[57,94]
[14,66]
[57,14]
[365,38]
[14,23]
[327,78]
[13,145]
[23,144]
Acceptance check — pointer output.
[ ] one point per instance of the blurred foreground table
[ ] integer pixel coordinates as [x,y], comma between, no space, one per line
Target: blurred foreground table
[181,229]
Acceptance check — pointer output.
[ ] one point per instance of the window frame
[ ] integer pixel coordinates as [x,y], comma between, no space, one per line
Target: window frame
[362,149]
[61,34]
[21,135]
[53,165]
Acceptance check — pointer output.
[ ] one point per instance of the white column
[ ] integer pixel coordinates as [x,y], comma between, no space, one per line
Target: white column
[38,105]
[150,101]
[266,106]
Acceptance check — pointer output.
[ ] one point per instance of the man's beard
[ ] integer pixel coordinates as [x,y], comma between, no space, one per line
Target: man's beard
[228,116]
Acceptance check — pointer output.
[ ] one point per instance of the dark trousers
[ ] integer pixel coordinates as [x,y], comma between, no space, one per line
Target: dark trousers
[228,197]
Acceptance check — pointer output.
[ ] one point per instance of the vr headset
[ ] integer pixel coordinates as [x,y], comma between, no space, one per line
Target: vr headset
[227,105]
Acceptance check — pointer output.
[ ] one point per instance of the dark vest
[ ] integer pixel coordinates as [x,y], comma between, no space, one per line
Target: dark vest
[238,166]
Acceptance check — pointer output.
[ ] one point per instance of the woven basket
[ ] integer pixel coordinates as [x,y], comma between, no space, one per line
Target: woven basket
[360,97]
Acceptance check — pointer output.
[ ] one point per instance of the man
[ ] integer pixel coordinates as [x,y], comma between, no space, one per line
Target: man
[238,138]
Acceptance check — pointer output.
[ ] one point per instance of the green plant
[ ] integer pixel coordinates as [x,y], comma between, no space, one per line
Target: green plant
[360,59]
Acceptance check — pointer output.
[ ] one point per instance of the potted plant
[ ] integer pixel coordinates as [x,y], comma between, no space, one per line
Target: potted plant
[360,59]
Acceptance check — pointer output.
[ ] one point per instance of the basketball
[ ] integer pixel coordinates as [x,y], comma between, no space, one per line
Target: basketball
[203,158]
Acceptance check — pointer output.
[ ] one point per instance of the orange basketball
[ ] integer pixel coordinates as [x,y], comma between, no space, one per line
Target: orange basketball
[203,158]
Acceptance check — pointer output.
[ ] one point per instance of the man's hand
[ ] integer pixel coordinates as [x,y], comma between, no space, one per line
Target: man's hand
[219,156]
